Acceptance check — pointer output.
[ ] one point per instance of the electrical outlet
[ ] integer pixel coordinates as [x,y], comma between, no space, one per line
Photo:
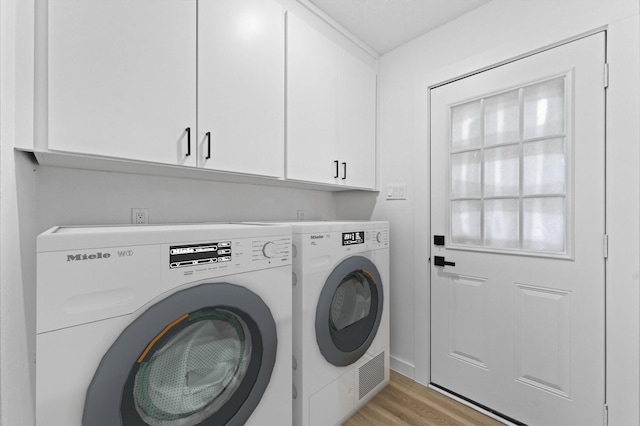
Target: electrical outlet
[139,216]
[300,214]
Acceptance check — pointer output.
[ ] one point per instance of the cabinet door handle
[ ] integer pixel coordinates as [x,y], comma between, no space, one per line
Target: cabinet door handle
[208,135]
[337,163]
[188,130]
[344,171]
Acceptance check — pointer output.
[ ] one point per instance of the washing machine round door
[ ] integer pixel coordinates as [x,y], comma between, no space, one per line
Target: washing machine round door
[349,311]
[202,356]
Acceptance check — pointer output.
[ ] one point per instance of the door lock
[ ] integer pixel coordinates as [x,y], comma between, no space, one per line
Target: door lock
[441,261]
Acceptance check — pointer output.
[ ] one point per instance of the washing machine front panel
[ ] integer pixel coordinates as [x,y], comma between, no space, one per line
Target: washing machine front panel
[349,311]
[236,311]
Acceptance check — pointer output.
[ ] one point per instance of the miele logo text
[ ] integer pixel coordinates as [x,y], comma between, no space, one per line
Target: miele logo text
[74,257]
[317,237]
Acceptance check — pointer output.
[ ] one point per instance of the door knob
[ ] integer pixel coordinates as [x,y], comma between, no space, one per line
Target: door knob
[441,261]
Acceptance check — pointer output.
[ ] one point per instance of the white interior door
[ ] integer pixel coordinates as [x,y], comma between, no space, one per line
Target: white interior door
[517,187]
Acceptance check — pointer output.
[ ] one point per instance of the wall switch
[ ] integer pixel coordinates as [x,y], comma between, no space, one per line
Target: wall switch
[396,191]
[139,216]
[300,214]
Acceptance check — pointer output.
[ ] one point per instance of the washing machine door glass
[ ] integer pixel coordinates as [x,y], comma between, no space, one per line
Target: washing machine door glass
[201,356]
[195,372]
[349,311]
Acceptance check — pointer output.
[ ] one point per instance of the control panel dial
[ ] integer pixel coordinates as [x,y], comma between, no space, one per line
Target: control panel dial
[270,249]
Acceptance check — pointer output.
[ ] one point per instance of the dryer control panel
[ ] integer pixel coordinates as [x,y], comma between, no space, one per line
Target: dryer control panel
[349,241]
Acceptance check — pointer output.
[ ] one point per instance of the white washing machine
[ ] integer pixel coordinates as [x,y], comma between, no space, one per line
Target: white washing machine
[341,318]
[164,325]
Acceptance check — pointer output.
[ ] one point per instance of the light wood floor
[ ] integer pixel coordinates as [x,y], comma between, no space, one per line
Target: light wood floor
[405,402]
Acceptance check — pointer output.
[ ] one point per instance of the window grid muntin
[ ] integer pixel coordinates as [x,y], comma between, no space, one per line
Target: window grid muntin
[566,195]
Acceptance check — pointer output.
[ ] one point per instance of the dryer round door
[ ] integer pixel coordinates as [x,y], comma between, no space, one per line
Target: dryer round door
[349,311]
[202,356]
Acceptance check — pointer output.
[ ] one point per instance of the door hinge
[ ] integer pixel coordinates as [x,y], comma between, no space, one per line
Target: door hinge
[605,246]
[606,75]
[605,415]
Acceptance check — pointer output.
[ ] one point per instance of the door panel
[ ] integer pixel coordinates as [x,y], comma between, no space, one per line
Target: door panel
[241,86]
[122,79]
[517,173]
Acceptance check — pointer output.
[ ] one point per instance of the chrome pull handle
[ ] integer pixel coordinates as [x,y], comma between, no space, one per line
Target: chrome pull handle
[441,261]
[344,171]
[337,163]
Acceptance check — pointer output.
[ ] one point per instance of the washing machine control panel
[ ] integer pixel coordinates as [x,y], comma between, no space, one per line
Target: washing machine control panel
[209,259]
[199,254]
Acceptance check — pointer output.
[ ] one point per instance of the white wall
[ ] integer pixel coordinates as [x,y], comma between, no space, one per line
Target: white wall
[79,197]
[17,217]
[491,34]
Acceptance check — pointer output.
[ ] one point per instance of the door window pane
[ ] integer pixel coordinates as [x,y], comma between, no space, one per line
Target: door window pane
[544,168]
[465,126]
[465,174]
[501,223]
[465,222]
[502,171]
[544,109]
[502,118]
[508,165]
[543,224]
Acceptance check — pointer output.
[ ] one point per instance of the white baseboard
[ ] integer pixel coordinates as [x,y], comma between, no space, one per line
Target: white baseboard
[403,367]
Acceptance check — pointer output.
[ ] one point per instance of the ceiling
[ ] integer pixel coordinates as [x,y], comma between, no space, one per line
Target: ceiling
[384,25]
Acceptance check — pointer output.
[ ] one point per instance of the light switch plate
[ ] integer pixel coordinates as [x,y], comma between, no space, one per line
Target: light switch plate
[396,191]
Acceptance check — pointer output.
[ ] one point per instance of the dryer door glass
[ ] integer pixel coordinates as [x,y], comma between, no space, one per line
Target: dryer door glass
[351,301]
[349,310]
[195,371]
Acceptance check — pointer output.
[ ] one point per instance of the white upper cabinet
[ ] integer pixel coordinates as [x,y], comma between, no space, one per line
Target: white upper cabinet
[331,111]
[357,84]
[202,84]
[122,79]
[241,86]
[312,104]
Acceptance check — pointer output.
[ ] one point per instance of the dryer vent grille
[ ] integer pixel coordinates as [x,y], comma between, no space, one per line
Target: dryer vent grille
[371,374]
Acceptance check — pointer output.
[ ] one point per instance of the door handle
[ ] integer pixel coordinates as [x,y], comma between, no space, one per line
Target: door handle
[441,261]
[188,130]
[337,163]
[344,171]
[208,135]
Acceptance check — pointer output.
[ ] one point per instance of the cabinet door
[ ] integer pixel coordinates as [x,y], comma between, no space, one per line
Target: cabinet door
[122,78]
[241,86]
[312,104]
[357,121]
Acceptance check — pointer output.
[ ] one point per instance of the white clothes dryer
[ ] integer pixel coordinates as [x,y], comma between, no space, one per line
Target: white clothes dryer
[164,325]
[341,318]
